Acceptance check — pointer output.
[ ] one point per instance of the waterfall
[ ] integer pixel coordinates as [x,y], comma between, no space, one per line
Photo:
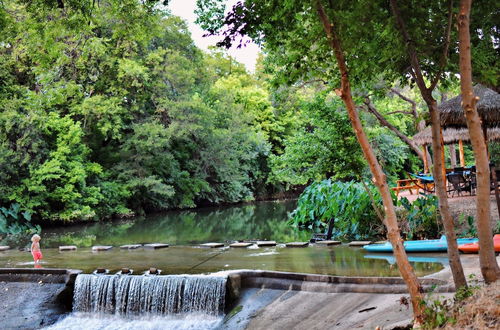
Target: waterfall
[158,295]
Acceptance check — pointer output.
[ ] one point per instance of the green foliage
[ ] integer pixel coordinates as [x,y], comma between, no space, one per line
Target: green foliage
[323,147]
[436,312]
[348,203]
[14,222]
[108,109]
[468,225]
[420,219]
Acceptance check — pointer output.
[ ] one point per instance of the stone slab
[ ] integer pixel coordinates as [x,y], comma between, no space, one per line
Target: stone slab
[97,248]
[130,246]
[241,245]
[212,245]
[328,242]
[67,248]
[297,244]
[155,246]
[4,248]
[359,243]
[265,243]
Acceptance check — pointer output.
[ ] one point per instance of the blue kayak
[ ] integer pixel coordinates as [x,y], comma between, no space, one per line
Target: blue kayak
[431,245]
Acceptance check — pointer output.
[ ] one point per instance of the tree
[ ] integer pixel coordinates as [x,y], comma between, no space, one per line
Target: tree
[257,19]
[489,266]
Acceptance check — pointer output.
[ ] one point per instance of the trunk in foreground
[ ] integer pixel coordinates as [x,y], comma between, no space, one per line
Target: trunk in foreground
[404,266]
[489,266]
[437,146]
[438,171]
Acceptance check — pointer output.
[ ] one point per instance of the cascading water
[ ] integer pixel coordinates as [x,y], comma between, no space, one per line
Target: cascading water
[128,301]
[160,295]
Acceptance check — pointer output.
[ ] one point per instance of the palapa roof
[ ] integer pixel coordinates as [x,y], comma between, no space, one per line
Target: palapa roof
[453,135]
[488,107]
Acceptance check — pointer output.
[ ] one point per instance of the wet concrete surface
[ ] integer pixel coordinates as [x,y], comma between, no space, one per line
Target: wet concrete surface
[287,309]
[30,305]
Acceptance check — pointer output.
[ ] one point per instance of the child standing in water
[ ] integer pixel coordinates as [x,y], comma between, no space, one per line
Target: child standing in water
[35,249]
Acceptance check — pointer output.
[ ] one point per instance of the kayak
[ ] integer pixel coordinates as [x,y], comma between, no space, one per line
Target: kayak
[474,247]
[430,245]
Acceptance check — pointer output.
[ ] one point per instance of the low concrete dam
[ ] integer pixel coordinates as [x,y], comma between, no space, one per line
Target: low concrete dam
[243,299]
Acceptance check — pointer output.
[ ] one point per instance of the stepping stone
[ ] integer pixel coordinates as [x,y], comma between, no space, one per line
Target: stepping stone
[297,244]
[212,245]
[328,243]
[97,248]
[130,246]
[265,243]
[241,245]
[4,248]
[359,243]
[155,246]
[67,248]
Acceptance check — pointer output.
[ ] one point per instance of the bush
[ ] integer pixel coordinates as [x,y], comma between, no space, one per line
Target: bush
[13,222]
[347,202]
[420,219]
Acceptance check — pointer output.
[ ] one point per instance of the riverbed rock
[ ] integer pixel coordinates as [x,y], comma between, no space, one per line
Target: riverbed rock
[155,246]
[4,248]
[212,245]
[297,244]
[130,246]
[359,243]
[97,248]
[328,242]
[265,243]
[67,248]
[241,245]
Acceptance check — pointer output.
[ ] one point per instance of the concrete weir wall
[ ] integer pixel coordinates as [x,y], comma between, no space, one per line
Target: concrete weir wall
[34,298]
[242,279]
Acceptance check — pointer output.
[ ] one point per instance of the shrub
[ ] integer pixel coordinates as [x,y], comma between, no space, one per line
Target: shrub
[420,219]
[348,203]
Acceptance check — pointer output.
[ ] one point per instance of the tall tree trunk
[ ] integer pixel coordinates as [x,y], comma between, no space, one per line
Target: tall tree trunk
[453,155]
[437,147]
[489,266]
[438,171]
[406,270]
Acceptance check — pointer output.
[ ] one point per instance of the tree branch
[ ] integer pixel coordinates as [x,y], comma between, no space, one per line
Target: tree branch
[401,112]
[410,48]
[444,55]
[371,108]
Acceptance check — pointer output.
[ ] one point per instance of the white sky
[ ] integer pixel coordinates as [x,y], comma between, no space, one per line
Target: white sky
[185,9]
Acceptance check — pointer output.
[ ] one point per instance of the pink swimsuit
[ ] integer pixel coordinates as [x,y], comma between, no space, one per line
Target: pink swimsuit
[37,255]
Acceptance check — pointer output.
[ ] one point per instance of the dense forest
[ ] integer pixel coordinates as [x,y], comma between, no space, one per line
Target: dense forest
[108,109]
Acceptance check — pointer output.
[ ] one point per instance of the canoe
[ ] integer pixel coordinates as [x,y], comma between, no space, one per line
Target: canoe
[430,245]
[474,247]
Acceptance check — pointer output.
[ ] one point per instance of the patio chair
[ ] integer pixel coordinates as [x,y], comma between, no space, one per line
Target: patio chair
[459,183]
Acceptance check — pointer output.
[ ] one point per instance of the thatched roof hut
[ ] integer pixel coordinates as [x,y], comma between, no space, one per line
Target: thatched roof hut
[488,107]
[453,135]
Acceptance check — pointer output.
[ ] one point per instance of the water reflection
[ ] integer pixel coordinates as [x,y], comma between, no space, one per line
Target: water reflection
[443,260]
[263,221]
[183,230]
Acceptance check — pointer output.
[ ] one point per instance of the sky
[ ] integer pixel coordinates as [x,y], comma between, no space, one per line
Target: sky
[185,9]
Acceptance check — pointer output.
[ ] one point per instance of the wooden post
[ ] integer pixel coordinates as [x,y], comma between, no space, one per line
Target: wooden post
[453,155]
[461,152]
[442,156]
[426,164]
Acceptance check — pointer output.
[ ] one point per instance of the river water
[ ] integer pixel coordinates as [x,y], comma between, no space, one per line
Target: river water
[184,230]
